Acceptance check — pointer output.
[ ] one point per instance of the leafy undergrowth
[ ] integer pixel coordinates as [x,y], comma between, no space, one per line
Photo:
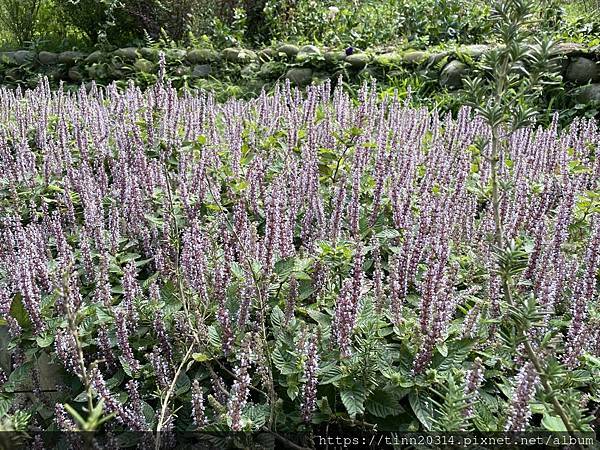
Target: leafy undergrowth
[171,263]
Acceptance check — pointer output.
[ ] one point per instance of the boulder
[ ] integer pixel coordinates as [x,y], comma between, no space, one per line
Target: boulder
[267,54]
[149,53]
[144,66]
[582,70]
[47,58]
[239,55]
[7,58]
[415,57]
[589,93]
[290,50]
[70,57]
[475,51]
[94,57]
[24,57]
[334,57]
[571,48]
[307,52]
[126,54]
[201,71]
[272,69]
[300,76]
[202,55]
[175,54]
[358,60]
[452,74]
[74,74]
[390,59]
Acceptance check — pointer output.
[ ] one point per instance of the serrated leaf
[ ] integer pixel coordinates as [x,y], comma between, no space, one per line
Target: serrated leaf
[422,408]
[383,404]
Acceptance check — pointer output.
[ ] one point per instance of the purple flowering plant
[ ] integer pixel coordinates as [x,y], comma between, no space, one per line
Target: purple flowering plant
[293,262]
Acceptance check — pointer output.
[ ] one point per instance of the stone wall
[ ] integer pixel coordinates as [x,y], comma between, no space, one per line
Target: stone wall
[301,65]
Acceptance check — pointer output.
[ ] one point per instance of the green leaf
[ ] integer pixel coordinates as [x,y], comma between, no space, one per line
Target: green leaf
[45,340]
[553,423]
[354,400]
[17,310]
[422,408]
[383,404]
[183,384]
[201,357]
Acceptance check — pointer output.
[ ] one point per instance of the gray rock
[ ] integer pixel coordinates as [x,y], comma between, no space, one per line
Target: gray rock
[272,69]
[7,58]
[358,60]
[175,54]
[589,93]
[201,71]
[94,57]
[452,74]
[334,57]
[267,54]
[24,57]
[290,50]
[70,57]
[74,74]
[149,53]
[144,66]
[47,58]
[390,59]
[571,48]
[300,76]
[415,57]
[239,55]
[582,70]
[475,51]
[126,54]
[202,55]
[437,57]
[308,52]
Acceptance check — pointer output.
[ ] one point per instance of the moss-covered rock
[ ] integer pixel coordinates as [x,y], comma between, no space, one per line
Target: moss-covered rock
[7,58]
[70,57]
[24,57]
[175,54]
[144,66]
[358,60]
[289,50]
[127,53]
[47,58]
[95,57]
[452,74]
[334,58]
[272,70]
[301,76]
[149,53]
[415,58]
[474,51]
[308,52]
[202,55]
[239,55]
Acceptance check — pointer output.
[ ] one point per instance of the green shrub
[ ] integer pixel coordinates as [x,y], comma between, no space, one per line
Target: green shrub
[19,18]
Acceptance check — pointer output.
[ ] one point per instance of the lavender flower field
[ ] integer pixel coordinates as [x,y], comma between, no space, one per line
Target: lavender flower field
[291,263]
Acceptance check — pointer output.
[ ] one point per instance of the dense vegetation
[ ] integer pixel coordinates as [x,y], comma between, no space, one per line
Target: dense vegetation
[303,262]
